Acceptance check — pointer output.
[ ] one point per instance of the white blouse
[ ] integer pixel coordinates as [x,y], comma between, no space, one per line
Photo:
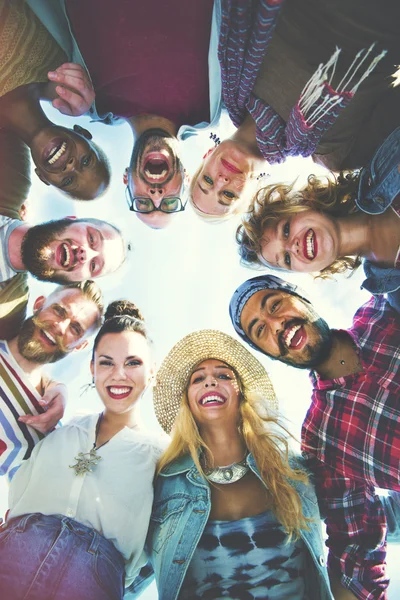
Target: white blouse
[115,498]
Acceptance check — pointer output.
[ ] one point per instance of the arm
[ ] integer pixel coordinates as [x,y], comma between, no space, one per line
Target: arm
[53,402]
[356,528]
[70,90]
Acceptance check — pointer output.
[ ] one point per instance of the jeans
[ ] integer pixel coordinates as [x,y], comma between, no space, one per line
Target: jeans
[57,558]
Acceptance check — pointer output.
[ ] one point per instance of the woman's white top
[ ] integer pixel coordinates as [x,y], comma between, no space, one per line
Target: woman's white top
[115,498]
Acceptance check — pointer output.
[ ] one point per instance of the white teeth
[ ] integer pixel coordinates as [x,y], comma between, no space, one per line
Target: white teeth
[212,399]
[310,245]
[67,260]
[155,175]
[49,337]
[289,336]
[119,390]
[53,158]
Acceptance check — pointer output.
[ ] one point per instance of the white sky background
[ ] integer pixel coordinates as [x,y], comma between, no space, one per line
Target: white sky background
[182,279]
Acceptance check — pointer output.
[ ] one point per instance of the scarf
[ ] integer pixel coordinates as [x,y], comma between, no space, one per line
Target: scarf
[246,30]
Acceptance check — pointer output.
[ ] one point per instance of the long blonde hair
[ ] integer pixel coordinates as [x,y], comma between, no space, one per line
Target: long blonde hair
[332,195]
[269,448]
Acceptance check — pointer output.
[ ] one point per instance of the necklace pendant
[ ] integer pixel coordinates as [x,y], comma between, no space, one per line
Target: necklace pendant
[85,461]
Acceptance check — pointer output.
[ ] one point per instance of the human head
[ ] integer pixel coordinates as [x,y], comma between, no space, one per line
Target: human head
[69,160]
[226,181]
[173,377]
[156,173]
[122,364]
[288,229]
[274,317]
[211,354]
[61,323]
[71,249]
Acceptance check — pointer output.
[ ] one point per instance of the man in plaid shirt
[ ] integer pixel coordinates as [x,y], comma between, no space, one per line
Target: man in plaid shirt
[351,432]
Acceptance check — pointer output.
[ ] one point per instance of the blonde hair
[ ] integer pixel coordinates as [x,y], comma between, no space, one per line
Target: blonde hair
[332,195]
[269,448]
[238,207]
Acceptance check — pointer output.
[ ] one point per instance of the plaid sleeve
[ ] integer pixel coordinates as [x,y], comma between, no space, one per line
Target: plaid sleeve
[356,528]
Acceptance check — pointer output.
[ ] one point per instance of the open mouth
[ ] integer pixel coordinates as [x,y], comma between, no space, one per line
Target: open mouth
[310,245]
[230,167]
[212,400]
[294,337]
[47,337]
[118,392]
[55,154]
[65,256]
[156,169]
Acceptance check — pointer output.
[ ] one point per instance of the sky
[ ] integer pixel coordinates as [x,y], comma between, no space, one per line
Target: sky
[182,279]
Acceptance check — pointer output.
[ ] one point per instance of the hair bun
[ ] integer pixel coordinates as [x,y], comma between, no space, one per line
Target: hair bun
[120,308]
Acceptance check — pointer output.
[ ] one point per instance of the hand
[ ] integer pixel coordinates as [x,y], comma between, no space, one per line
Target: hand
[53,403]
[74,88]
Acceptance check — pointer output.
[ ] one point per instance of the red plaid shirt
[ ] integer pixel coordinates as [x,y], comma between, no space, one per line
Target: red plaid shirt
[351,436]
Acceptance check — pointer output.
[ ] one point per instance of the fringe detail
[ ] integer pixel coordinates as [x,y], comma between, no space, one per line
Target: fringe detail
[318,98]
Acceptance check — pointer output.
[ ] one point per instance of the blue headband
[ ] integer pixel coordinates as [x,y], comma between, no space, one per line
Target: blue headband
[250,287]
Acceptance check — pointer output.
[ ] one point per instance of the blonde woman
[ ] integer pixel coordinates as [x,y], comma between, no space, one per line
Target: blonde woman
[232,515]
[329,225]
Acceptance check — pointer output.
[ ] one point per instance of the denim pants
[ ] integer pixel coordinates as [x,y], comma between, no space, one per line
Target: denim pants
[57,558]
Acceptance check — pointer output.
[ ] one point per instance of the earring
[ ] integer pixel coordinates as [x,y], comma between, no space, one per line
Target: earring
[86,387]
[82,131]
[215,138]
[261,176]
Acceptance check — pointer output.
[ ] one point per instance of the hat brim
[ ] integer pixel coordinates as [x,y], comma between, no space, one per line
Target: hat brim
[173,375]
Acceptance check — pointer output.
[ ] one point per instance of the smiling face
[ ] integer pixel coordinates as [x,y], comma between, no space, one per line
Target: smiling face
[213,393]
[60,324]
[122,368]
[226,180]
[286,328]
[70,162]
[156,173]
[305,242]
[72,250]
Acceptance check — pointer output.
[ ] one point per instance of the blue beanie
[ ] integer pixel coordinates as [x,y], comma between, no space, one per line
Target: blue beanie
[250,287]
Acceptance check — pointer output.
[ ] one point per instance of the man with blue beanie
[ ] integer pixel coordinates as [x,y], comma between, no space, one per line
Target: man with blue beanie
[350,434]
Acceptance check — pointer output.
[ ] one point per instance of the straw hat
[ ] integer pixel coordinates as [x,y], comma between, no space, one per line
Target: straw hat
[175,370]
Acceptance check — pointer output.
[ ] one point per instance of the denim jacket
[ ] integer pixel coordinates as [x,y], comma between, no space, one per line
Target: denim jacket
[378,187]
[180,512]
[53,15]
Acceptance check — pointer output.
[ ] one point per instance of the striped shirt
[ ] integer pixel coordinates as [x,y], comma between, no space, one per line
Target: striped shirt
[351,435]
[17,397]
[7,225]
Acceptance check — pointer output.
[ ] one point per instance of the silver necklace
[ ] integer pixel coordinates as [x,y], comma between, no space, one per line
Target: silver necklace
[228,474]
[85,461]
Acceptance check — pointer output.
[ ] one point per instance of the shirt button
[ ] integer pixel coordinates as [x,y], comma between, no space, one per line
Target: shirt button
[322,561]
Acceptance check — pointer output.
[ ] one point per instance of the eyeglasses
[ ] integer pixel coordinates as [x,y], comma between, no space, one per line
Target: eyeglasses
[142,204]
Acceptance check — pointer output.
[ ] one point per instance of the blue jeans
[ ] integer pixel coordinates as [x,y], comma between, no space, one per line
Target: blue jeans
[57,558]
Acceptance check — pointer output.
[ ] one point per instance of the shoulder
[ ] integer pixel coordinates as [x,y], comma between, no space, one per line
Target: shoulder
[380,180]
[156,443]
[14,174]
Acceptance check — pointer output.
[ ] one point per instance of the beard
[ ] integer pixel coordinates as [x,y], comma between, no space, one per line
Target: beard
[32,349]
[313,354]
[158,139]
[35,249]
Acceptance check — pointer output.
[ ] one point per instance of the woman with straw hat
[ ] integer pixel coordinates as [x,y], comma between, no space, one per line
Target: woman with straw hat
[232,516]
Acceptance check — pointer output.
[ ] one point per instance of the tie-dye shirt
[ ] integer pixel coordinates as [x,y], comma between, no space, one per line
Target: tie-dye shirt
[246,559]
